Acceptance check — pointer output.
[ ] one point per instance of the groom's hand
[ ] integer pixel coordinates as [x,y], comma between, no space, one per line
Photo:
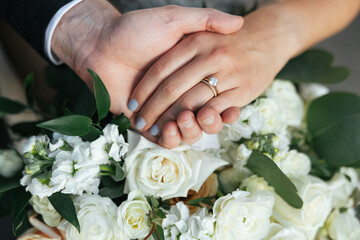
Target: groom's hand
[120,48]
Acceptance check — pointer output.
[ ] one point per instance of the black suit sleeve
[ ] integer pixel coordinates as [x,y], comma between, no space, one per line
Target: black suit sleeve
[30,18]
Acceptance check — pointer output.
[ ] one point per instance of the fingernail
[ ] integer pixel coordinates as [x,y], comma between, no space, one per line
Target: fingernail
[188,123]
[209,120]
[154,130]
[140,123]
[173,132]
[133,104]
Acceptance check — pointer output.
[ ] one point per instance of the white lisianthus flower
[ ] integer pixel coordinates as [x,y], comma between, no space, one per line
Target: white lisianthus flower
[10,163]
[132,216]
[317,205]
[343,226]
[166,173]
[49,214]
[295,164]
[288,100]
[97,217]
[242,215]
[35,187]
[250,120]
[278,232]
[272,115]
[310,91]
[342,185]
[30,145]
[74,172]
[110,145]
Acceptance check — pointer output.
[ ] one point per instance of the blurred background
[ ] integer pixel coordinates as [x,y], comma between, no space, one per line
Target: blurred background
[345,46]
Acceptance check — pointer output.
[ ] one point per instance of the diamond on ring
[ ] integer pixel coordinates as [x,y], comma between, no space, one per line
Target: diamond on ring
[213,81]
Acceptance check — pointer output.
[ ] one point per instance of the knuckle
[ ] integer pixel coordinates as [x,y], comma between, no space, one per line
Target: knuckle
[188,103]
[170,89]
[221,55]
[158,69]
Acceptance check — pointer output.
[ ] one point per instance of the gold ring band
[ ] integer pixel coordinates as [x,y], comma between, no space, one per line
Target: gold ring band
[211,83]
[211,87]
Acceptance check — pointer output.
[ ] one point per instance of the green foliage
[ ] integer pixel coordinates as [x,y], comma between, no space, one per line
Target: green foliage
[102,97]
[8,106]
[119,172]
[19,213]
[122,122]
[313,66]
[26,129]
[205,200]
[72,125]
[64,205]
[92,135]
[333,123]
[158,233]
[7,184]
[264,167]
[113,191]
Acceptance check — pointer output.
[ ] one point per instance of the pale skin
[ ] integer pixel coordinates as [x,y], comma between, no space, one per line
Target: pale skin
[244,60]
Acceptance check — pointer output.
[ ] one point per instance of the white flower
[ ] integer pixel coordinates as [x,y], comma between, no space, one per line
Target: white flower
[49,214]
[110,145]
[97,218]
[132,216]
[295,164]
[166,173]
[10,163]
[75,172]
[278,232]
[64,143]
[272,115]
[243,154]
[207,141]
[242,215]
[342,185]
[310,91]
[317,205]
[35,187]
[343,226]
[255,184]
[288,101]
[30,145]
[249,121]
[231,178]
[178,224]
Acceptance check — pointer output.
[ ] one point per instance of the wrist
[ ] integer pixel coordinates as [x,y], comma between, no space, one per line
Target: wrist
[77,33]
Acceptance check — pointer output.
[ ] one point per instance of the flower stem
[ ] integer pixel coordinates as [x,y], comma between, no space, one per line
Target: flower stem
[151,231]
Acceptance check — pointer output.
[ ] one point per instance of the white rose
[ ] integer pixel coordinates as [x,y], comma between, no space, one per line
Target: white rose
[110,145]
[132,216]
[49,214]
[29,145]
[343,226]
[288,101]
[278,232]
[271,113]
[317,205]
[166,173]
[250,120]
[295,164]
[242,215]
[342,185]
[74,172]
[97,218]
[310,91]
[10,163]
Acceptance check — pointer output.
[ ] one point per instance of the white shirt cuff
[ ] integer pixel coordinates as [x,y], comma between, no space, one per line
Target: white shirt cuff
[51,28]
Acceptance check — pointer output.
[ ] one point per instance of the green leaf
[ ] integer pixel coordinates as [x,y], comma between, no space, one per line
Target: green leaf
[160,213]
[154,203]
[64,205]
[21,201]
[7,184]
[333,123]
[158,233]
[313,66]
[72,125]
[123,123]
[101,96]
[92,135]
[113,191]
[26,129]
[28,84]
[119,172]
[9,106]
[264,167]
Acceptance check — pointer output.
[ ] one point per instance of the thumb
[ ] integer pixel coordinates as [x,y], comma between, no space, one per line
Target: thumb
[192,20]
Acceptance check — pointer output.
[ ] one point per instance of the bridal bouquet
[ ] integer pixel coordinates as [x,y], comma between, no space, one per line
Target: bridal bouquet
[287,169]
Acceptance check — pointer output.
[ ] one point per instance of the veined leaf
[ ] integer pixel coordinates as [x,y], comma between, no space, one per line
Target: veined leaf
[101,96]
[64,205]
[123,123]
[264,167]
[72,125]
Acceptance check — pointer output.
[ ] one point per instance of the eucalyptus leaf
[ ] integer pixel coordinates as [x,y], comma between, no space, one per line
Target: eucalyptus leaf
[333,123]
[28,84]
[263,166]
[122,122]
[102,97]
[8,106]
[72,125]
[314,65]
[64,205]
[113,191]
[119,172]
[7,184]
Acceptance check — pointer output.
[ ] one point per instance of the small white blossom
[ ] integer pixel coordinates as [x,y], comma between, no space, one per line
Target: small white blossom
[310,91]
[49,214]
[10,163]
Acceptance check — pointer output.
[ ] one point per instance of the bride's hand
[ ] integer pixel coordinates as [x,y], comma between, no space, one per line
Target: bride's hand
[244,64]
[120,48]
